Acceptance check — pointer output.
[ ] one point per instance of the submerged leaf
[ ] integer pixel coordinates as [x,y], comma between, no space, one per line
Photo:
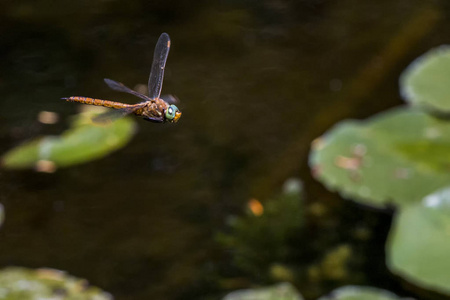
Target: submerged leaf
[396,157]
[259,239]
[282,291]
[83,142]
[360,293]
[28,284]
[426,82]
[419,243]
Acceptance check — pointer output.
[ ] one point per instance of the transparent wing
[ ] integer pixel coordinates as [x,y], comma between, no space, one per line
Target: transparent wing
[159,63]
[120,87]
[112,115]
[171,99]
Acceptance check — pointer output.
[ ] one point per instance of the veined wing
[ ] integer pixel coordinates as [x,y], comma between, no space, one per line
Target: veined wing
[171,99]
[159,63]
[120,87]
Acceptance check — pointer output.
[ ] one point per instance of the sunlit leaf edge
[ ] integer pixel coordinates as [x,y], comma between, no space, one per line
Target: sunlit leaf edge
[280,291]
[360,293]
[419,242]
[414,70]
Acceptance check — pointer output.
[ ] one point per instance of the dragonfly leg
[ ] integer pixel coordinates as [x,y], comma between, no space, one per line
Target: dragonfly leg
[155,120]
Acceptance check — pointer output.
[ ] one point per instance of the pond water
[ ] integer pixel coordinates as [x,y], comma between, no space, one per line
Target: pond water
[257,82]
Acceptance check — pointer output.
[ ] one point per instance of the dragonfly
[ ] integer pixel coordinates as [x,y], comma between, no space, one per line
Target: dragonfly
[154,108]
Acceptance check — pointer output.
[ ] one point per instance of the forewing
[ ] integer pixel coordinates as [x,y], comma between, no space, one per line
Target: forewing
[155,80]
[120,87]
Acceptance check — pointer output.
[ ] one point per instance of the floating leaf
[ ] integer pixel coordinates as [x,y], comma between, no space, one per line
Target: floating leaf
[419,243]
[282,291]
[360,293]
[83,142]
[27,284]
[426,82]
[397,157]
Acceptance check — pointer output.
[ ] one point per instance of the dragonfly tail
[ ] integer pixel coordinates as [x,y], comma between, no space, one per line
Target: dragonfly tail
[97,102]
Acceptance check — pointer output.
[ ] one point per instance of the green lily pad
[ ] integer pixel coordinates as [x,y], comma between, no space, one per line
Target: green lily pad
[396,157]
[360,293]
[40,284]
[281,291]
[419,242]
[426,81]
[83,142]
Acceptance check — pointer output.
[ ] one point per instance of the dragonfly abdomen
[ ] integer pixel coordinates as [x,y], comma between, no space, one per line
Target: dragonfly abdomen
[97,102]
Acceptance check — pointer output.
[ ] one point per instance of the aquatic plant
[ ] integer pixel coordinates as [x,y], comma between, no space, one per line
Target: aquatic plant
[285,291]
[29,284]
[259,239]
[82,142]
[281,291]
[400,158]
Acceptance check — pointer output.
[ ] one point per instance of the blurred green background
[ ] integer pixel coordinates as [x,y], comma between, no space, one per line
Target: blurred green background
[257,81]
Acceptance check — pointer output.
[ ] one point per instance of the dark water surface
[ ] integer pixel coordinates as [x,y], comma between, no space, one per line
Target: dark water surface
[258,80]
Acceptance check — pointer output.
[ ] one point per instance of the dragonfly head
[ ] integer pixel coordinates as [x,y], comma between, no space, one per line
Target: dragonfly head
[172,114]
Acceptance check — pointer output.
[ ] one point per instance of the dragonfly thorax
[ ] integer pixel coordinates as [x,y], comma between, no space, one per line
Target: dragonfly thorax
[159,111]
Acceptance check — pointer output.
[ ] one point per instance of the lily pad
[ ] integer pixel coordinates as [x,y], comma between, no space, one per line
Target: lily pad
[39,284]
[281,291]
[360,293]
[396,157]
[83,142]
[426,81]
[419,243]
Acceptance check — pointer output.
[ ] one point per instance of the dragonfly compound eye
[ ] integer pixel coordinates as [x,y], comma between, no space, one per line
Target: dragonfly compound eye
[173,113]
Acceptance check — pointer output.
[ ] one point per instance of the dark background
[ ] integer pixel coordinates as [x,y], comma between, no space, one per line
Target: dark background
[257,80]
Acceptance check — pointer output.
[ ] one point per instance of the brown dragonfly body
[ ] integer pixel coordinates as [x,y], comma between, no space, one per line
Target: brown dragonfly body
[154,108]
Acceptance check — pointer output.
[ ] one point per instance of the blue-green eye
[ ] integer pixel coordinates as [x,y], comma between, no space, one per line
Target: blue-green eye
[172,113]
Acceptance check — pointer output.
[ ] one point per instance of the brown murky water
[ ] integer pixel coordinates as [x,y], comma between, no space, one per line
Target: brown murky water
[257,82]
